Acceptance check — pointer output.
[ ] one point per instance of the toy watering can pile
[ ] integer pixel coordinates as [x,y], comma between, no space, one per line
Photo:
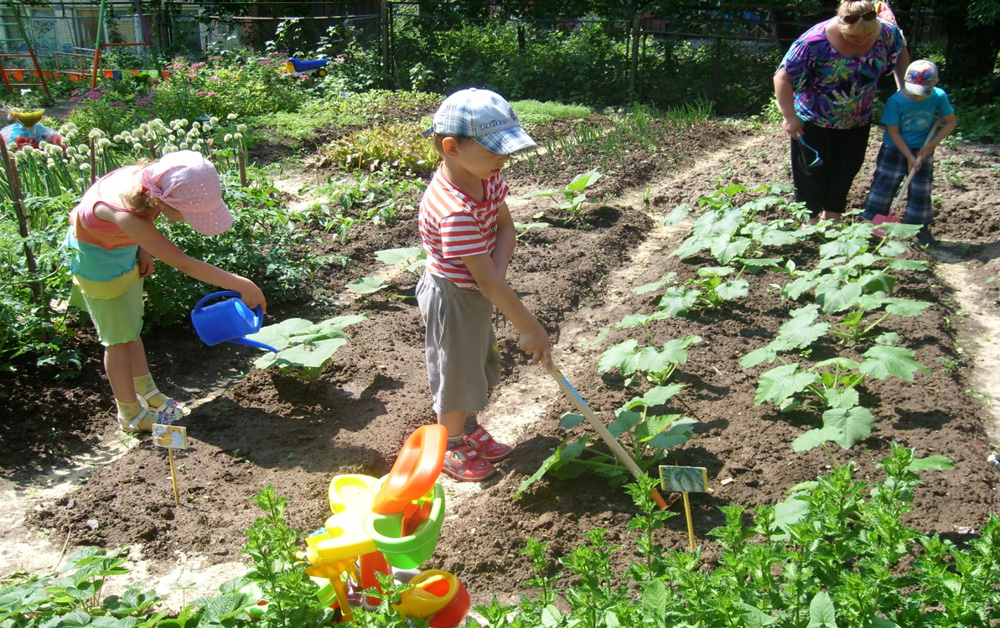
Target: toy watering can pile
[390,526]
[227,320]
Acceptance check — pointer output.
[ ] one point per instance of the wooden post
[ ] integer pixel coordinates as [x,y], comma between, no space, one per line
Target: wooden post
[690,523]
[14,183]
[173,477]
[633,69]
[384,28]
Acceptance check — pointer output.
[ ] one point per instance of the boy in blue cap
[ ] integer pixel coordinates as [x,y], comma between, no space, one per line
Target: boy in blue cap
[468,233]
[908,117]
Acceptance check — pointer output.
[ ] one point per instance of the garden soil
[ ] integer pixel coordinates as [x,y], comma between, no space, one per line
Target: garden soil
[69,478]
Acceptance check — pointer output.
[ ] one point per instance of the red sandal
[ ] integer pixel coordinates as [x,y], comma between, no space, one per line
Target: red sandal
[488,448]
[466,465]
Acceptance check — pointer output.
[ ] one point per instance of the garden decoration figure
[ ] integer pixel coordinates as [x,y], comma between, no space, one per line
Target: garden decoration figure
[388,526]
[113,241]
[469,236]
[825,89]
[910,118]
[26,131]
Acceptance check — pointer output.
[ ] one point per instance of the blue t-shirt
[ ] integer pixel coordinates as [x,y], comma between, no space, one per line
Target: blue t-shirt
[915,117]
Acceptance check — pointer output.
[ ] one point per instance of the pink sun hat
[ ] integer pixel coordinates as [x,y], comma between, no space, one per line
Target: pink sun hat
[189,183]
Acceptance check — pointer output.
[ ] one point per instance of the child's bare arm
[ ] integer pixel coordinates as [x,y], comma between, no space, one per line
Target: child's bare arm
[149,238]
[506,240]
[534,340]
[950,122]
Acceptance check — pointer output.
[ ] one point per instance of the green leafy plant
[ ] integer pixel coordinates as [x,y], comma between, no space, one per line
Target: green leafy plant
[75,594]
[645,434]
[304,347]
[415,259]
[837,552]
[708,290]
[656,365]
[399,147]
[574,195]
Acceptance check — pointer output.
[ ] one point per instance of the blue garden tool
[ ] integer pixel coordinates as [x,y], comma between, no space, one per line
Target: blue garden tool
[807,149]
[227,320]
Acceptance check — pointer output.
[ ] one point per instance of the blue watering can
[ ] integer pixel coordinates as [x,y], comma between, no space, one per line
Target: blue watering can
[227,320]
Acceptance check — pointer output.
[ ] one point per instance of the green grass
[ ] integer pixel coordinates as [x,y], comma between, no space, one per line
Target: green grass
[533,113]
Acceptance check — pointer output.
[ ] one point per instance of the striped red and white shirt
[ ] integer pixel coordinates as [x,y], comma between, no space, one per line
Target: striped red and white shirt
[453,225]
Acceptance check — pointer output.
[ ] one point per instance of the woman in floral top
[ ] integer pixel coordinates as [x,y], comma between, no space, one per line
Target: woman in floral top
[825,87]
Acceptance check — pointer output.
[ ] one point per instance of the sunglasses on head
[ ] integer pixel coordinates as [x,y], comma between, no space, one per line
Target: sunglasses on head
[853,19]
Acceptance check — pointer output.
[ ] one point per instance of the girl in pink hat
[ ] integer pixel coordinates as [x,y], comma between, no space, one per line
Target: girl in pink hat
[113,240]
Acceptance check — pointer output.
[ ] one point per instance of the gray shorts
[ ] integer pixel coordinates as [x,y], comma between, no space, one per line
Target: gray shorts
[463,359]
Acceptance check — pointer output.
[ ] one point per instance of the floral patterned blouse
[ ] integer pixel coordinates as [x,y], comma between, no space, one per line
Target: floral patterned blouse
[834,91]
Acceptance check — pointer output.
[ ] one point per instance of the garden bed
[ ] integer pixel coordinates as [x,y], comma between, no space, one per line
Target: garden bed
[252,428]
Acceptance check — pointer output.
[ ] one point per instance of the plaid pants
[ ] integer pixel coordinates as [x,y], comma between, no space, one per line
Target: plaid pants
[890,170]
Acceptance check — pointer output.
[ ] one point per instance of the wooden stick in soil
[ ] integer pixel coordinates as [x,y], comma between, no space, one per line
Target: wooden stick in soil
[599,427]
[173,477]
[14,184]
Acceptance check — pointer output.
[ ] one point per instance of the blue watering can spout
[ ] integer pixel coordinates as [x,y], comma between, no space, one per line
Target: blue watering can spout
[227,320]
[253,343]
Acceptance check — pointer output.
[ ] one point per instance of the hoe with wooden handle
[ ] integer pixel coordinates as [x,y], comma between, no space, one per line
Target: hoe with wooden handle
[598,426]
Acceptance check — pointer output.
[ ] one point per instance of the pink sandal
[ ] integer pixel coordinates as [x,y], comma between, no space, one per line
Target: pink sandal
[488,448]
[465,465]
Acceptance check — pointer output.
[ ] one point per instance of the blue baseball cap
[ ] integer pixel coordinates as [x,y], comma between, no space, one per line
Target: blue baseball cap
[483,115]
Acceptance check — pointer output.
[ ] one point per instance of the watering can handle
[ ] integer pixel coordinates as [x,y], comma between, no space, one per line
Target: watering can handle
[224,293]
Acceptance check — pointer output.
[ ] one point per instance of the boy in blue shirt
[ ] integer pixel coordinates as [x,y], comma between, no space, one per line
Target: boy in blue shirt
[908,117]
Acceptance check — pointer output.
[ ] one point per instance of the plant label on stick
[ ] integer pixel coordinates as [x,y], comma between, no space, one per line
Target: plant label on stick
[171,437]
[685,480]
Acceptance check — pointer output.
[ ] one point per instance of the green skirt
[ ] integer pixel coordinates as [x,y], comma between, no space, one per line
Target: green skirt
[117,320]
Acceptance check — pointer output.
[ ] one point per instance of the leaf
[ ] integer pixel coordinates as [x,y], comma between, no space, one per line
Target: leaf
[367,285]
[790,512]
[906,264]
[656,285]
[847,398]
[766,353]
[391,257]
[821,612]
[736,289]
[753,617]
[311,355]
[882,362]
[654,598]
[570,420]
[583,181]
[715,271]
[848,425]
[622,356]
[678,214]
[906,307]
[635,320]
[678,301]
[547,464]
[536,193]
[679,432]
[839,298]
[551,617]
[931,463]
[726,251]
[801,330]
[782,383]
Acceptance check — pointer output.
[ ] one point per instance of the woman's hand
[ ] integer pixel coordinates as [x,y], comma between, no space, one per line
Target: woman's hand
[145,263]
[793,126]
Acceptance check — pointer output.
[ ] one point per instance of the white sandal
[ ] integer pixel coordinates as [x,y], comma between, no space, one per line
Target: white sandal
[145,420]
[168,407]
